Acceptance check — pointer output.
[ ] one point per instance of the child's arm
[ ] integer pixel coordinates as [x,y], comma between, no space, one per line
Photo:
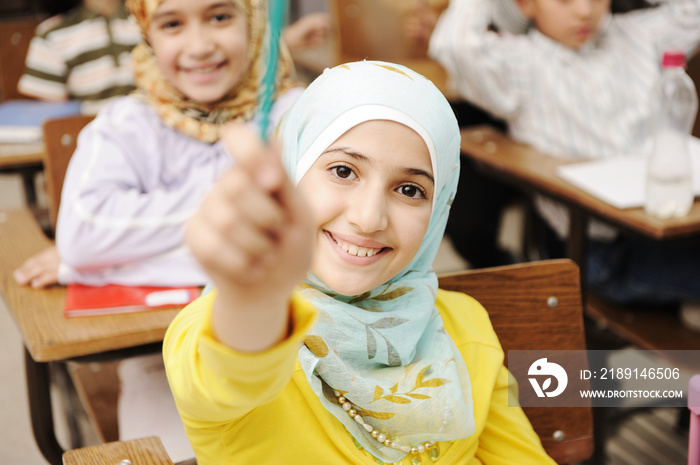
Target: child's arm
[486,68]
[252,236]
[673,24]
[128,192]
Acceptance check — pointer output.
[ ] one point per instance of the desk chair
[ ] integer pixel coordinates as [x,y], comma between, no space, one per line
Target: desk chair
[373,30]
[15,35]
[146,451]
[521,301]
[60,137]
[609,326]
[96,384]
[537,306]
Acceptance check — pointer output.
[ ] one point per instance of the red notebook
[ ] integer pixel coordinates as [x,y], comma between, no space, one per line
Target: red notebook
[82,300]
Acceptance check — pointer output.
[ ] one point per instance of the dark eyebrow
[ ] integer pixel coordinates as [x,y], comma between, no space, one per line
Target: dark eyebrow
[358,156]
[418,172]
[166,13]
[161,14]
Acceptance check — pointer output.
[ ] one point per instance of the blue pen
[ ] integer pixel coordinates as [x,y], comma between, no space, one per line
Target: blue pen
[276,14]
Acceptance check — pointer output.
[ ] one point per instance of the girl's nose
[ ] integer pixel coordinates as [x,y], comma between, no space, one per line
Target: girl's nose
[367,210]
[199,44]
[584,7]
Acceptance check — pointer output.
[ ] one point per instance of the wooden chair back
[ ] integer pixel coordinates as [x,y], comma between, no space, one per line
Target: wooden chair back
[371,29]
[15,35]
[145,451]
[537,306]
[60,136]
[374,30]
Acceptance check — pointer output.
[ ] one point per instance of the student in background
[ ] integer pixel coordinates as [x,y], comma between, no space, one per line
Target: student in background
[579,84]
[82,54]
[478,197]
[143,165]
[393,369]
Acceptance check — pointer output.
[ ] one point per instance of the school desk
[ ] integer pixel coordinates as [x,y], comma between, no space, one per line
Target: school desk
[145,451]
[49,337]
[535,172]
[27,161]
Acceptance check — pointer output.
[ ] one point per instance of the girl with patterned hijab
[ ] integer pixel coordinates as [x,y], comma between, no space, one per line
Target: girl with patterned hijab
[143,166]
[326,339]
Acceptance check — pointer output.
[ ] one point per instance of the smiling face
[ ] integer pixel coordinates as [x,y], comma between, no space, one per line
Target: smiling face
[201,46]
[569,22]
[371,194]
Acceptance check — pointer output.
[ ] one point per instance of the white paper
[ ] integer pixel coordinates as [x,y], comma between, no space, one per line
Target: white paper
[621,181]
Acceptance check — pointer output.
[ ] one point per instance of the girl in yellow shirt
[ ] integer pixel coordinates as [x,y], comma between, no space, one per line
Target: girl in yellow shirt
[365,361]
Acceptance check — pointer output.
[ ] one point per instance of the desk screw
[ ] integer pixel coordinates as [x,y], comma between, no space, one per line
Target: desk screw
[490,147]
[552,302]
[558,435]
[66,140]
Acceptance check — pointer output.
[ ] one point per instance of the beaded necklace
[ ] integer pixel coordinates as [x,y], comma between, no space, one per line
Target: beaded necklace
[382,438]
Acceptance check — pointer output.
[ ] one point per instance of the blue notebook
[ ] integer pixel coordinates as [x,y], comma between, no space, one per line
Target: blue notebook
[20,120]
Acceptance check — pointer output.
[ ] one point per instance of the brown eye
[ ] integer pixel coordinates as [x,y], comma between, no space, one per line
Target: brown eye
[343,172]
[411,191]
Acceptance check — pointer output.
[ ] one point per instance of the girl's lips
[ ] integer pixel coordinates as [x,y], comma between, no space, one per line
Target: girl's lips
[583,32]
[203,73]
[357,251]
[204,68]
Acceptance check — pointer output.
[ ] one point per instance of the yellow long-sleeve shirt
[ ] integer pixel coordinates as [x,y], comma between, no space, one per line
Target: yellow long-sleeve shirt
[258,408]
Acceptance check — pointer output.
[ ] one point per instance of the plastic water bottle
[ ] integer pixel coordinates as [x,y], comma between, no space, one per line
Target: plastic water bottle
[669,176]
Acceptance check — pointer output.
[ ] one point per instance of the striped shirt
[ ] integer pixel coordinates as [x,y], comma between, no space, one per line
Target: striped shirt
[81,55]
[588,103]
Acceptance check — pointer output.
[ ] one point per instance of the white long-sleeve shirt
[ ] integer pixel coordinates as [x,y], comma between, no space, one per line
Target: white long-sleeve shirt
[131,185]
[588,103]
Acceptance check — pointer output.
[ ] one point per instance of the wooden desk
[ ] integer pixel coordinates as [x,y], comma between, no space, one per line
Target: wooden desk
[525,167]
[50,337]
[533,171]
[26,160]
[145,451]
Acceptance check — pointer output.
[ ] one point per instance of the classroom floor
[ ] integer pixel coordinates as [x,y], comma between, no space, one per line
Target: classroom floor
[645,437]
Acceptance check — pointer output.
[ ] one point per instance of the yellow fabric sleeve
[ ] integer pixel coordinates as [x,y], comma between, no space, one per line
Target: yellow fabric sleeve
[213,383]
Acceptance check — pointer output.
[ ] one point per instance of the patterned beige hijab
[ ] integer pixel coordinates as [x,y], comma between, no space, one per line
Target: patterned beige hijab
[203,121]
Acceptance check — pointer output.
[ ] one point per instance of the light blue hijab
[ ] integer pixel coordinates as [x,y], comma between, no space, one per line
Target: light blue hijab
[386,350]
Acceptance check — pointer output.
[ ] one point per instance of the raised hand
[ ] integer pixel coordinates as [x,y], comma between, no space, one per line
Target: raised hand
[252,235]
